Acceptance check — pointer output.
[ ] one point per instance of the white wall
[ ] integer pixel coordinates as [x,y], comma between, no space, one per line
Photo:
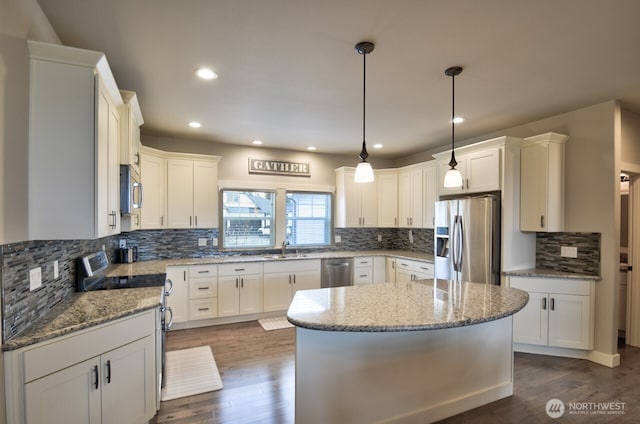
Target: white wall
[234,162]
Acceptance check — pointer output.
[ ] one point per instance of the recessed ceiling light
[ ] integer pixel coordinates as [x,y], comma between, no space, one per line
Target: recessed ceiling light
[377,146]
[458,120]
[311,148]
[257,142]
[195,124]
[206,73]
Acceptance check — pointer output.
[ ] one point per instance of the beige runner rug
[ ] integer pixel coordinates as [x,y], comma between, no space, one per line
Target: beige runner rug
[190,372]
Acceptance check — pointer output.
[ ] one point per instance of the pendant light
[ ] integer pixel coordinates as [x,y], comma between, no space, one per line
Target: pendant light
[453,178]
[364,172]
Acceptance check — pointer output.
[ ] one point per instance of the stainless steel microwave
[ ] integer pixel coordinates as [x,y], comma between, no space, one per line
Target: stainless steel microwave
[131,193]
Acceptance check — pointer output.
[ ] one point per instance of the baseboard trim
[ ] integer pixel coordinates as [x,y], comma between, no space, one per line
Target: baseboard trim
[601,358]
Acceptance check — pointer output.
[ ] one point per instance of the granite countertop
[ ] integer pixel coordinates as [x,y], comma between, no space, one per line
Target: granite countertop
[84,310]
[549,273]
[412,306]
[159,265]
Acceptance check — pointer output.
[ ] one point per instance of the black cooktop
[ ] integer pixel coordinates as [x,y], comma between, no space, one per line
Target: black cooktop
[127,282]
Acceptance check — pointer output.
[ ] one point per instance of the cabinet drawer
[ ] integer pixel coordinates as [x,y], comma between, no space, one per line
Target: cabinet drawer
[364,261]
[203,288]
[203,271]
[362,276]
[203,309]
[240,268]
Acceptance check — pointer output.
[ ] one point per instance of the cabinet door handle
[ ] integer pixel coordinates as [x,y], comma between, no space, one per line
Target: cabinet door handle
[96,383]
[190,221]
[203,309]
[196,220]
[544,304]
[289,278]
[236,282]
[203,272]
[108,371]
[242,283]
[184,276]
[395,221]
[294,278]
[553,304]
[541,221]
[162,220]
[203,288]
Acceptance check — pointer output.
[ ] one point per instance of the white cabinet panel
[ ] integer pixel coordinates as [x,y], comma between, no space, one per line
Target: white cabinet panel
[387,198]
[356,203]
[283,279]
[179,299]
[154,181]
[410,198]
[542,183]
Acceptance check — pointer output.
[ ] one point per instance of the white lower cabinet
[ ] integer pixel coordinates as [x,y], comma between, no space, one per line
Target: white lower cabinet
[240,289]
[106,374]
[410,270]
[178,301]
[203,292]
[362,270]
[283,279]
[559,313]
[390,271]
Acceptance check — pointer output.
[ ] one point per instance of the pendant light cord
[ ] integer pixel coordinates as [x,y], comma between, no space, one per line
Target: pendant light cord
[363,153]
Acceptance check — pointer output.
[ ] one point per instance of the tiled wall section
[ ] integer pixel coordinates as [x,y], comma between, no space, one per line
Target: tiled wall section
[21,306]
[548,252]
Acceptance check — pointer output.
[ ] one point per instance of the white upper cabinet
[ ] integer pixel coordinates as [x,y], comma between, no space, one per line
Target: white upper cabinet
[410,197]
[130,138]
[430,194]
[356,203]
[387,180]
[480,170]
[542,183]
[154,180]
[74,141]
[192,196]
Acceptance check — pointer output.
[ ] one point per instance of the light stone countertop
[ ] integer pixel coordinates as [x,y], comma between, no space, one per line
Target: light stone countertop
[159,266]
[549,273]
[411,306]
[84,310]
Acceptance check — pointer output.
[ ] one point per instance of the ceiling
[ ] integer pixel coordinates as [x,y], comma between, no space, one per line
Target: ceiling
[289,74]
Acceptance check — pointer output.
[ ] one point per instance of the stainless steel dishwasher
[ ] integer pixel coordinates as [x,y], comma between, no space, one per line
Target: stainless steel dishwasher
[337,272]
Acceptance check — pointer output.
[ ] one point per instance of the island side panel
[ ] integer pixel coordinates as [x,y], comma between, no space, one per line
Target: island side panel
[412,377]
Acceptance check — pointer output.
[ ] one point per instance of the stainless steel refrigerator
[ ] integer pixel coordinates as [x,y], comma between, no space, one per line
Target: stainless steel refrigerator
[467,239]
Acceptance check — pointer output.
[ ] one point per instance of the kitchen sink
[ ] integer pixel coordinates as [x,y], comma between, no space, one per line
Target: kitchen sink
[291,256]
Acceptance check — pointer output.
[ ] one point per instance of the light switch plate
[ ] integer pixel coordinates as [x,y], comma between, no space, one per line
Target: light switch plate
[338,239]
[56,270]
[568,251]
[214,241]
[35,278]
[202,242]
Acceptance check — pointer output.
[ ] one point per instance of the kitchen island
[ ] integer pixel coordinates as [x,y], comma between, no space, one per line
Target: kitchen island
[411,352]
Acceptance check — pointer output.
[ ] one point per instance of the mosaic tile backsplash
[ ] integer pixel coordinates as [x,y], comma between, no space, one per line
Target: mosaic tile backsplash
[548,252]
[20,306]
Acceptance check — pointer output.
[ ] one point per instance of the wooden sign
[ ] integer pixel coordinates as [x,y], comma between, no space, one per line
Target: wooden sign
[279,167]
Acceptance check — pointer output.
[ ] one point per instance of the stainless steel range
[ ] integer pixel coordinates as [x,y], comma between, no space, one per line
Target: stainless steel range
[91,276]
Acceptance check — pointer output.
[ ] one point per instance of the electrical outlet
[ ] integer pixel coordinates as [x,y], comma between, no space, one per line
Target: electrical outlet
[379,237]
[56,270]
[411,236]
[568,252]
[214,241]
[122,243]
[338,239]
[35,278]
[202,242]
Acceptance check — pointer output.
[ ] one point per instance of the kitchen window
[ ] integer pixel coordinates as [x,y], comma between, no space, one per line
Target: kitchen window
[308,218]
[254,219]
[247,219]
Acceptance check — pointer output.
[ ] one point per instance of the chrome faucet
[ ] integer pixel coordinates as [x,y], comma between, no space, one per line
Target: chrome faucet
[284,247]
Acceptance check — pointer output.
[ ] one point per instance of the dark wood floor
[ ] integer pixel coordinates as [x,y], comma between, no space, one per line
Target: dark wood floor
[257,369]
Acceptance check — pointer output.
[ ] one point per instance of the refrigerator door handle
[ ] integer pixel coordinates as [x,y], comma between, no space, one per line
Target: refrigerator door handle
[457,243]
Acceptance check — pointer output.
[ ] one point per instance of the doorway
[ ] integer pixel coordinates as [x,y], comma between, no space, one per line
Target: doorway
[629,282]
